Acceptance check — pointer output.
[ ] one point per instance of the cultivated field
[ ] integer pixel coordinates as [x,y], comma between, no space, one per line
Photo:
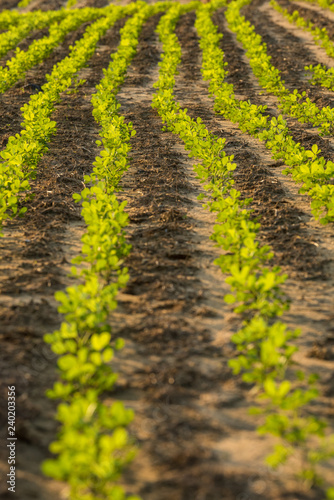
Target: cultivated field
[196,193]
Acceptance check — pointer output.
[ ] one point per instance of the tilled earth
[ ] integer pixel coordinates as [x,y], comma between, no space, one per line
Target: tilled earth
[196,439]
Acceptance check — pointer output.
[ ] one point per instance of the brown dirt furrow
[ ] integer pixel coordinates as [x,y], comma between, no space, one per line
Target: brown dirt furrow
[283,223]
[282,46]
[256,175]
[239,71]
[92,3]
[8,4]
[35,259]
[246,87]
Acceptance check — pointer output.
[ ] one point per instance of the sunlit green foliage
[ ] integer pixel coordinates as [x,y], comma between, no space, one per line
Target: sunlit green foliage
[23,151]
[10,38]
[264,342]
[93,445]
[321,75]
[292,103]
[19,64]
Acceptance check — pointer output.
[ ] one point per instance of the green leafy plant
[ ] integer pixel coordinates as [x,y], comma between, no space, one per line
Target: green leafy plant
[294,104]
[19,64]
[321,75]
[93,445]
[22,153]
[10,38]
[306,166]
[264,343]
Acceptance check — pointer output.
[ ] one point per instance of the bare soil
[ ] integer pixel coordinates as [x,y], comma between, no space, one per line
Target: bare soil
[8,4]
[196,439]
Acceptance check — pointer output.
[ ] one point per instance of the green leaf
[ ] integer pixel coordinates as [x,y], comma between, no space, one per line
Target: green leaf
[52,469]
[315,149]
[330,494]
[279,457]
[76,197]
[107,354]
[119,343]
[96,358]
[270,387]
[255,411]
[100,340]
[229,298]
[314,377]
[284,388]
[67,362]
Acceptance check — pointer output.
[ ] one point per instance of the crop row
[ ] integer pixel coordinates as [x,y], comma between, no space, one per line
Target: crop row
[19,64]
[93,445]
[295,429]
[321,75]
[9,18]
[305,165]
[264,341]
[21,157]
[24,150]
[11,38]
[294,104]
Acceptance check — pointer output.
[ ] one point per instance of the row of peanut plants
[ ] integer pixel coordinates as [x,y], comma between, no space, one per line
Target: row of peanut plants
[9,18]
[294,104]
[93,444]
[24,150]
[264,342]
[12,18]
[321,75]
[10,39]
[17,67]
[306,166]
